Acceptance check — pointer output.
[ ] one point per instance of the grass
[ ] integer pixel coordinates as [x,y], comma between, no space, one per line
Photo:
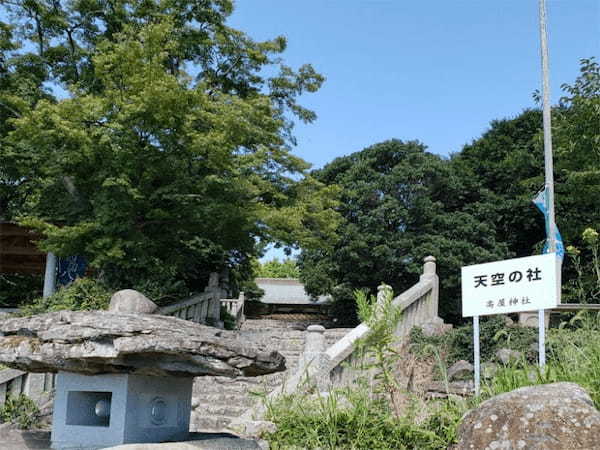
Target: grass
[359,418]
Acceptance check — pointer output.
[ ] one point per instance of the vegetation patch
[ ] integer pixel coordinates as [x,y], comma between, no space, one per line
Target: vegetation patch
[21,411]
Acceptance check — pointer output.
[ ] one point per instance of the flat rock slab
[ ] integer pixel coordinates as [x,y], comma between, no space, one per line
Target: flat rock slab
[197,441]
[95,342]
[13,438]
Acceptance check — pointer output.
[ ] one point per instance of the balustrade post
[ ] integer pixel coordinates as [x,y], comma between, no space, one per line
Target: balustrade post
[241,303]
[429,273]
[314,361]
[214,308]
[383,290]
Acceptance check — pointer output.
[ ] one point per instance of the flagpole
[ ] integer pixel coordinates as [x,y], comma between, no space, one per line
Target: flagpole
[548,164]
[548,169]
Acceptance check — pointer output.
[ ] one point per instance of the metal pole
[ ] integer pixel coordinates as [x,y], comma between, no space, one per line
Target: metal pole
[476,356]
[50,275]
[548,170]
[541,337]
[548,164]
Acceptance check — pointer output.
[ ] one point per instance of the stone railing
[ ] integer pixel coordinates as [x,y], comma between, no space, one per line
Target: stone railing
[36,386]
[235,307]
[332,367]
[202,308]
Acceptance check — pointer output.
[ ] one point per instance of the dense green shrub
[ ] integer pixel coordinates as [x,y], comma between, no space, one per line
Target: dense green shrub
[21,411]
[229,321]
[163,291]
[17,288]
[82,294]
[349,419]
[494,334]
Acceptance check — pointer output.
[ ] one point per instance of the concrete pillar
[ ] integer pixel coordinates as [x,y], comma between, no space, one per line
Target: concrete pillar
[50,275]
[242,301]
[383,290]
[530,319]
[429,273]
[34,386]
[214,308]
[429,267]
[314,361]
[315,343]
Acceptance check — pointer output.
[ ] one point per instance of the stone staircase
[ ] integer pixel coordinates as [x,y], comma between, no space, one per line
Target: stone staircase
[217,401]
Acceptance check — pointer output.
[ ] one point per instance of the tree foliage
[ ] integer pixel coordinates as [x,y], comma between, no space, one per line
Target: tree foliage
[399,204]
[287,268]
[169,155]
[577,143]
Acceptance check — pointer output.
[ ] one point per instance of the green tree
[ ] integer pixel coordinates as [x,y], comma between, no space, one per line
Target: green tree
[286,268]
[170,156]
[399,204]
[577,153]
[501,172]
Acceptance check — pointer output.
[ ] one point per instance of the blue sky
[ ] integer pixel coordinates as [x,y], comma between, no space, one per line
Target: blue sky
[433,70]
[438,71]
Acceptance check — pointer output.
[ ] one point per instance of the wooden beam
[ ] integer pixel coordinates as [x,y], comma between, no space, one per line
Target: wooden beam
[22,268]
[576,307]
[25,251]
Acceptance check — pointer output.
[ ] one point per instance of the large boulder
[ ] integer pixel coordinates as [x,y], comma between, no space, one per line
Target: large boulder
[94,342]
[131,301]
[559,416]
[460,369]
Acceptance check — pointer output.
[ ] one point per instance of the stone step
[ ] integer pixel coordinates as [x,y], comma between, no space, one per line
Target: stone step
[217,400]
[209,424]
[222,410]
[223,399]
[240,391]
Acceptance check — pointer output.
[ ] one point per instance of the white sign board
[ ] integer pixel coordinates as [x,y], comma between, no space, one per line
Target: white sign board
[513,285]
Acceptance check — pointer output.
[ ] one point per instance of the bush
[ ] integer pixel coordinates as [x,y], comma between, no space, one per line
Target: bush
[457,343]
[21,411]
[346,418]
[229,322]
[82,294]
[164,291]
[18,288]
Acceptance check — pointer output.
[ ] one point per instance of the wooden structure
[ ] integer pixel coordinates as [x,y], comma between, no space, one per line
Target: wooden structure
[18,252]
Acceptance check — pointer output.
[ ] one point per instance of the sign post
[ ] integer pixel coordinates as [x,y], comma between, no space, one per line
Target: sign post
[476,357]
[512,285]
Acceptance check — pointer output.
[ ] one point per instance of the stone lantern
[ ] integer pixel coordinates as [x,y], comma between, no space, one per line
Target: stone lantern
[125,378]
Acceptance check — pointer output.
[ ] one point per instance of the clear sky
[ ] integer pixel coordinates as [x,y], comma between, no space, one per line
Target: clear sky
[434,70]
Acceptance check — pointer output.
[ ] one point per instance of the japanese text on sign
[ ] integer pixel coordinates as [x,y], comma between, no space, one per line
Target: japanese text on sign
[520,284]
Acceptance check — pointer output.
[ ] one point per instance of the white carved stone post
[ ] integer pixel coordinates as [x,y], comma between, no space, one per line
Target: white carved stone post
[314,362]
[429,273]
[214,309]
[383,290]
[241,301]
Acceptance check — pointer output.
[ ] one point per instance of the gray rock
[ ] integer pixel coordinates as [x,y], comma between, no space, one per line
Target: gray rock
[257,428]
[437,389]
[489,369]
[93,342]
[130,301]
[508,321]
[460,369]
[11,437]
[435,327]
[204,441]
[507,356]
[559,416]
